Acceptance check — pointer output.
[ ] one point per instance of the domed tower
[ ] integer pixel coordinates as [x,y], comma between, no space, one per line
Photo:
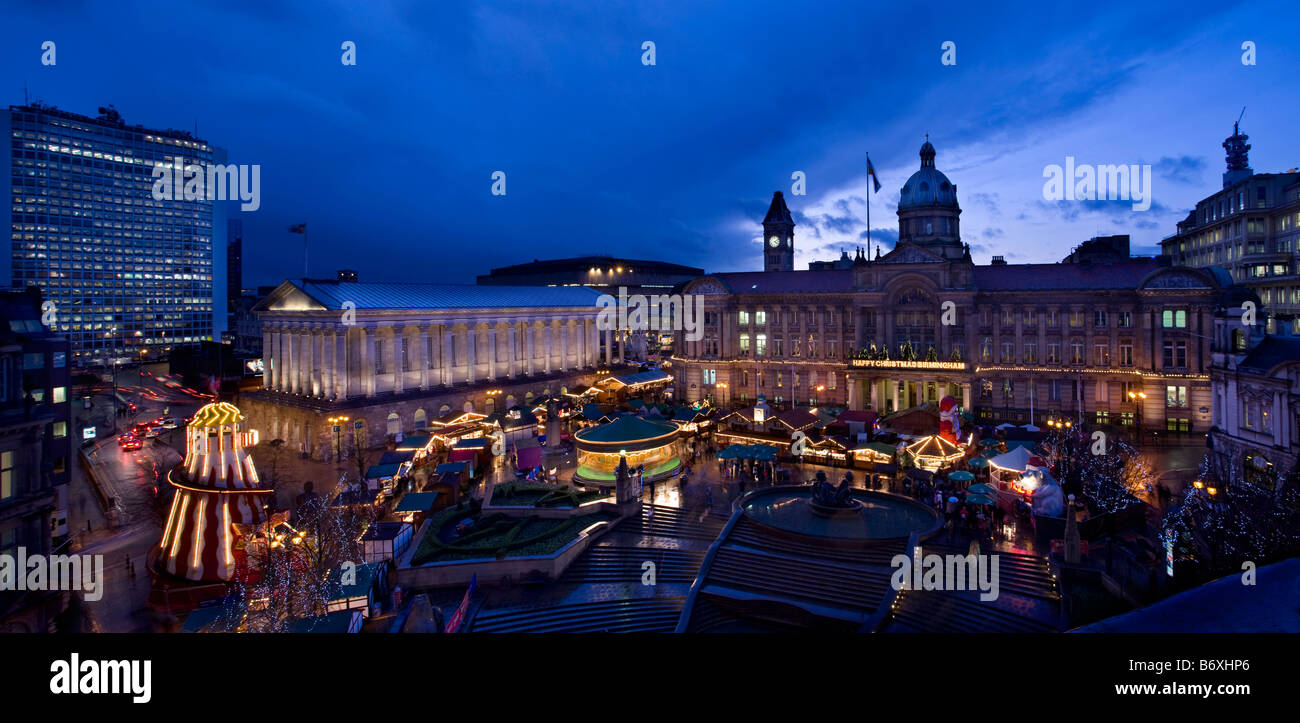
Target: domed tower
[216,488]
[778,236]
[928,211]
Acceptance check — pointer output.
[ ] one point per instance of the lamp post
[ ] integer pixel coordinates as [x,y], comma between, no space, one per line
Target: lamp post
[338,423]
[1134,397]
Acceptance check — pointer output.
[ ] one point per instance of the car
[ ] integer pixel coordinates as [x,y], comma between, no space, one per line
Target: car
[167,423]
[129,442]
[153,432]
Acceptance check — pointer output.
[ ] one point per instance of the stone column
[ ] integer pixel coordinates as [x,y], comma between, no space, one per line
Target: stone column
[469,353]
[853,397]
[492,350]
[267,356]
[609,346]
[426,357]
[368,360]
[399,354]
[564,344]
[341,367]
[511,356]
[447,370]
[875,394]
[528,345]
[327,364]
[548,329]
[318,363]
[894,383]
[965,396]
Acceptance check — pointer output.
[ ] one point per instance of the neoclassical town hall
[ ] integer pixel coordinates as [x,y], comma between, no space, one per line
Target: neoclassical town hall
[392,357]
[1100,338]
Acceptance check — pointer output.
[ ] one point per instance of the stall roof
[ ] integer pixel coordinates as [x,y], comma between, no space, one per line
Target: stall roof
[383,471]
[861,416]
[450,468]
[365,577]
[384,530]
[796,419]
[417,502]
[476,443]
[649,376]
[414,443]
[396,457]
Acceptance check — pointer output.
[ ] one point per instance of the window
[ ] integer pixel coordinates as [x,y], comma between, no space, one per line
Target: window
[1076,351]
[743,317]
[1076,318]
[60,395]
[1102,392]
[6,475]
[60,430]
[1174,319]
[1031,352]
[1008,317]
[1175,397]
[1126,419]
[744,344]
[1099,319]
[986,350]
[760,318]
[1103,416]
[1008,390]
[1126,353]
[1175,356]
[986,389]
[1124,319]
[1008,352]
[1052,319]
[760,344]
[1029,318]
[778,347]
[1101,354]
[830,380]
[1054,390]
[832,350]
[1053,352]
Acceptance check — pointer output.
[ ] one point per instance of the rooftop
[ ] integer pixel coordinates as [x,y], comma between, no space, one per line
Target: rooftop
[371,295]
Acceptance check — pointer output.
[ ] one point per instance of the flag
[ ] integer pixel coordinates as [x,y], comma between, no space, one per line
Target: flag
[871,171]
[458,617]
[302,227]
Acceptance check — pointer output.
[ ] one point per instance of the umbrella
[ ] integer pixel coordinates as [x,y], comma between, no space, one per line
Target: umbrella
[982,488]
[978,462]
[989,453]
[734,451]
[990,442]
[961,476]
[979,500]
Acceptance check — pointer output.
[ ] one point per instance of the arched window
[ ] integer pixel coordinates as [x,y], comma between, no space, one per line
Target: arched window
[442,411]
[421,419]
[394,423]
[511,402]
[490,405]
[469,406]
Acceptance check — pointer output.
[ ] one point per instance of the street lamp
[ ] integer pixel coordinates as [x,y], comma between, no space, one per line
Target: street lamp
[338,423]
[1134,397]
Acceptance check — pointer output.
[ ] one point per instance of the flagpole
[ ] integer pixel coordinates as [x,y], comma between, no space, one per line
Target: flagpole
[305,274]
[868,205]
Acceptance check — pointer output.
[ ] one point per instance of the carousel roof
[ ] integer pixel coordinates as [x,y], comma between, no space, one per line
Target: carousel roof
[626,429]
[933,446]
[216,414]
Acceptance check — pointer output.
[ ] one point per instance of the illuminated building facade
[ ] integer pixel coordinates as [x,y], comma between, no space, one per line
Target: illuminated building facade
[394,357]
[131,277]
[1123,343]
[1251,227]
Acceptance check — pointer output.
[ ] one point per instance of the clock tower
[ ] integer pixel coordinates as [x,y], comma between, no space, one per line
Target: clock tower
[778,236]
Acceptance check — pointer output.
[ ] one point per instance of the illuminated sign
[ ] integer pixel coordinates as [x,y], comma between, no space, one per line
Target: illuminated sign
[901,364]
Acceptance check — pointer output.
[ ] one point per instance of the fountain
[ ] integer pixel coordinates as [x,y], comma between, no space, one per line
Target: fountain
[838,515]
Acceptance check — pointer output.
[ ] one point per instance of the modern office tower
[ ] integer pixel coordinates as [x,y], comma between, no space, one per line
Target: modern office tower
[129,277]
[1252,228]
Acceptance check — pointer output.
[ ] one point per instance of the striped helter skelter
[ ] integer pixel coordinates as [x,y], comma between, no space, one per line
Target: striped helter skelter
[216,488]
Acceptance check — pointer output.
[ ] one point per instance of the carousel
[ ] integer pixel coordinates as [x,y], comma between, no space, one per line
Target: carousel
[648,445]
[217,488]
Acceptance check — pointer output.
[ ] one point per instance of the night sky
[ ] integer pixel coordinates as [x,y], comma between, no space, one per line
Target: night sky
[390,162]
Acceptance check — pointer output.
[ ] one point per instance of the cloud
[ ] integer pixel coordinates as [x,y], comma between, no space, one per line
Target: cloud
[1183,169]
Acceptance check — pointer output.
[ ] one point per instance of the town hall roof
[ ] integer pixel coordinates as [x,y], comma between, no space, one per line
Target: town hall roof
[370,295]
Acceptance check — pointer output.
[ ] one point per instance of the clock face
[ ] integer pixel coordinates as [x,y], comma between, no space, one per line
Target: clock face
[789,241]
[774,242]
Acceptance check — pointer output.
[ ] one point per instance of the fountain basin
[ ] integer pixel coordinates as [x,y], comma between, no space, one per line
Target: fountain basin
[875,517]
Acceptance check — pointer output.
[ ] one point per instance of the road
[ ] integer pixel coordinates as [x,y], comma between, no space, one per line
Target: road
[138,478]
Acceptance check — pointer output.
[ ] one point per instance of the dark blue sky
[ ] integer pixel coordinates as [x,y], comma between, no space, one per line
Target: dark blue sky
[390,161]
